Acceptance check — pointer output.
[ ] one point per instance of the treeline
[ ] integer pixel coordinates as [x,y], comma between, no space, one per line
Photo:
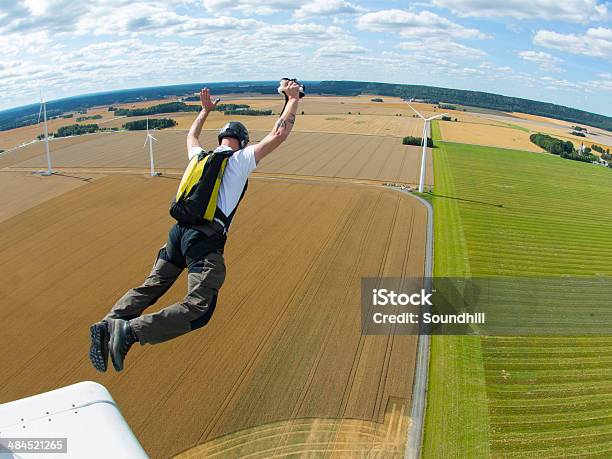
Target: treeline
[552,144]
[169,107]
[80,129]
[411,140]
[10,122]
[172,107]
[600,149]
[585,158]
[463,97]
[248,112]
[565,149]
[155,123]
[227,107]
[76,129]
[85,118]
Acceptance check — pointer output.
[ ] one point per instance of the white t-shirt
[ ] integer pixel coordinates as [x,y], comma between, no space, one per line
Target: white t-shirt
[238,168]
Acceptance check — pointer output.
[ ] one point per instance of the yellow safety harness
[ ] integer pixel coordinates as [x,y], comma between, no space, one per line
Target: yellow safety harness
[196,198]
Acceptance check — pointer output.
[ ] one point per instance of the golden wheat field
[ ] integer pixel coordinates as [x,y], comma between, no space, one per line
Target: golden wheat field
[484,134]
[378,158]
[281,367]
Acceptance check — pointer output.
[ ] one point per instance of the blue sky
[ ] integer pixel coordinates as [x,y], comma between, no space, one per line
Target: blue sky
[552,50]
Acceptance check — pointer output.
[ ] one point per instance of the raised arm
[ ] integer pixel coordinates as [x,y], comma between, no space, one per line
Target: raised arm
[193,137]
[283,126]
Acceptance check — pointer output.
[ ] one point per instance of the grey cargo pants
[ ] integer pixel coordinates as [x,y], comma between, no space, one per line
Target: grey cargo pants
[188,248]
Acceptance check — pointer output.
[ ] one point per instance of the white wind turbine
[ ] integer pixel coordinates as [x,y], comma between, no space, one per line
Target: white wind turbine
[424,143]
[150,139]
[43,112]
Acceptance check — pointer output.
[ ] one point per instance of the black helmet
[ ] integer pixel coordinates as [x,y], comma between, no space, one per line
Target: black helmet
[235,130]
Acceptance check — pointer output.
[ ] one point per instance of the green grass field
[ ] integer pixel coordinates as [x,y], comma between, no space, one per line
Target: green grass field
[519,397]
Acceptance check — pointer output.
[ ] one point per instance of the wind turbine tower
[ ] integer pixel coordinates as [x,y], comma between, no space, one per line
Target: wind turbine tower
[151,139]
[43,112]
[424,143]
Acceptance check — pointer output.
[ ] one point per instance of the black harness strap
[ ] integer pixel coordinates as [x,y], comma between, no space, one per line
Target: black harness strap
[224,218]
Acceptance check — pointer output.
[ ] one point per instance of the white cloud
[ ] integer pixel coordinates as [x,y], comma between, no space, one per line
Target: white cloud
[329,8]
[271,38]
[346,51]
[582,11]
[562,84]
[251,7]
[112,44]
[596,42]
[109,17]
[604,83]
[544,60]
[442,47]
[158,19]
[409,24]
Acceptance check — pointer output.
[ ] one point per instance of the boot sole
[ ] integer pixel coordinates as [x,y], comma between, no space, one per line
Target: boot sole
[97,355]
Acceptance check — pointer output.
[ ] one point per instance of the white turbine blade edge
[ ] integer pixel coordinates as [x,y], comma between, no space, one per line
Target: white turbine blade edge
[437,116]
[421,116]
[146,140]
[39,113]
[152,137]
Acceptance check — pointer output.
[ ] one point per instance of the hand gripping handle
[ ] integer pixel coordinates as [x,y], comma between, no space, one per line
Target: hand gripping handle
[280,90]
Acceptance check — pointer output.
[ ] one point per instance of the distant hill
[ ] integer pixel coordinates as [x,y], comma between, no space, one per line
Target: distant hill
[472,98]
[26,115]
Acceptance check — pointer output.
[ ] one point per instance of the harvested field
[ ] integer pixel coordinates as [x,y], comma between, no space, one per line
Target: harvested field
[15,137]
[398,126]
[375,118]
[314,437]
[590,139]
[22,190]
[284,344]
[317,104]
[556,128]
[313,104]
[482,134]
[543,119]
[110,150]
[37,150]
[372,158]
[327,155]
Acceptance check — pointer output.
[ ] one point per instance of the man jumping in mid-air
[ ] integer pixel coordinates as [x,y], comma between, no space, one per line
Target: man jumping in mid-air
[198,245]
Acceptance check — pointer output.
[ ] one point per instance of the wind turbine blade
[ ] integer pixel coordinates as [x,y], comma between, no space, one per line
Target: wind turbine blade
[39,113]
[152,137]
[421,116]
[437,116]
[146,140]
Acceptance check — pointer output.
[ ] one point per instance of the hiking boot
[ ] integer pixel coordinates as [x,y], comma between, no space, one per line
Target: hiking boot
[98,351]
[121,339]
